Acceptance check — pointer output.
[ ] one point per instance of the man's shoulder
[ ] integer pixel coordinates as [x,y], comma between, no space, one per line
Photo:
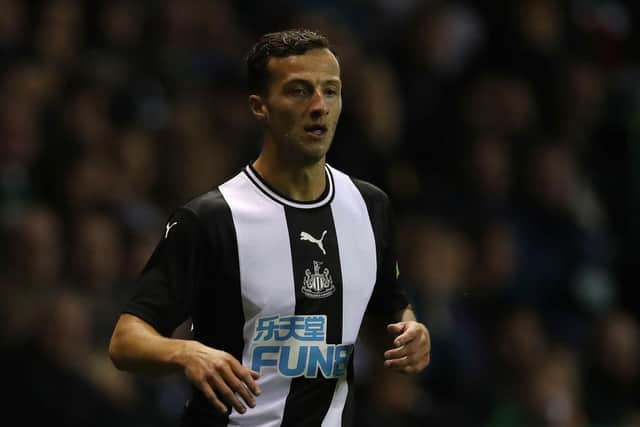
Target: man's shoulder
[205,204]
[376,200]
[211,201]
[370,192]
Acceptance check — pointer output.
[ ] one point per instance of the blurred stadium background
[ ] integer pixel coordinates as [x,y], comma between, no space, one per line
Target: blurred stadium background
[506,132]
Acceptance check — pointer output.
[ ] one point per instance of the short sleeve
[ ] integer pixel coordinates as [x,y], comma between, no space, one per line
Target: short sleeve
[167,287]
[388,298]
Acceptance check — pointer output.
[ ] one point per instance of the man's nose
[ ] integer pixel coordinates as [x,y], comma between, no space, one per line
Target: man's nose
[318,105]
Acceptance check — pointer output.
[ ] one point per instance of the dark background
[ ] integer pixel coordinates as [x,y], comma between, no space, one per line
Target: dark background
[505,132]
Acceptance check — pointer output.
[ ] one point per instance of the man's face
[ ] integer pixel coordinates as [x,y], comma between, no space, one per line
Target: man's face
[302,104]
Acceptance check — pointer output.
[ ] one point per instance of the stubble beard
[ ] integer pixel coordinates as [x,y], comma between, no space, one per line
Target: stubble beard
[304,153]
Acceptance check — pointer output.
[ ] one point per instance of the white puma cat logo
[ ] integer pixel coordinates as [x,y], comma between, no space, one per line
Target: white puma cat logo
[308,237]
[166,234]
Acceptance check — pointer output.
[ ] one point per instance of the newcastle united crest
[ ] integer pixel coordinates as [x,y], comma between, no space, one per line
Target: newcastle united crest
[316,284]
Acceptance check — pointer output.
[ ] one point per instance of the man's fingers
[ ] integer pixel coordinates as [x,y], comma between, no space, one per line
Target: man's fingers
[406,332]
[223,390]
[248,377]
[396,328]
[250,380]
[411,347]
[406,337]
[405,364]
[398,363]
[407,359]
[206,389]
[235,383]
[396,353]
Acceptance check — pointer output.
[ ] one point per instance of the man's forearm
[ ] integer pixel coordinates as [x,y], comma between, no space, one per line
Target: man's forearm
[136,346]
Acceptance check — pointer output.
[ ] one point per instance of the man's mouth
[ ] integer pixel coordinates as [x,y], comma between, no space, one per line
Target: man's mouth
[316,130]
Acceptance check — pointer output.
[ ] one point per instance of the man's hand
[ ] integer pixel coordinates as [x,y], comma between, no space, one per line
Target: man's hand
[411,348]
[219,376]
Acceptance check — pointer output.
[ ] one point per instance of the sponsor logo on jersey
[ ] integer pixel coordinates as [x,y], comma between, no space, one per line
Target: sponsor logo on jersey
[296,346]
[309,238]
[316,284]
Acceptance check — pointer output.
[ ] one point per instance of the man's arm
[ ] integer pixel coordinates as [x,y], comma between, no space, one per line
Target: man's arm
[137,347]
[412,345]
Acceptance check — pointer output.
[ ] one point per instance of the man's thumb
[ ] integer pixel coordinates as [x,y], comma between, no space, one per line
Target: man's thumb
[396,328]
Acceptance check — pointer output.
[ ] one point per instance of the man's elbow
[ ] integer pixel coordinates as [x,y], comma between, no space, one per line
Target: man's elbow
[114,352]
[117,349]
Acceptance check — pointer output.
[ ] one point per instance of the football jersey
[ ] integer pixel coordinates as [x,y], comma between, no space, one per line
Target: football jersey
[281,285]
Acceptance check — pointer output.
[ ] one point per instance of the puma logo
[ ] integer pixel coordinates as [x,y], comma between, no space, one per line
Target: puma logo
[309,238]
[166,234]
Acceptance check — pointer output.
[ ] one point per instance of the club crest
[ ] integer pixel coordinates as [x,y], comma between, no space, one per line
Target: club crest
[316,284]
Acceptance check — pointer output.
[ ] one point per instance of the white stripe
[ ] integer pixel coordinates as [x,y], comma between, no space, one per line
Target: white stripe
[357,248]
[333,417]
[266,279]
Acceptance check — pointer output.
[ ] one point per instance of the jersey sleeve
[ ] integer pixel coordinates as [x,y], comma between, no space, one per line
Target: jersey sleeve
[166,288]
[388,298]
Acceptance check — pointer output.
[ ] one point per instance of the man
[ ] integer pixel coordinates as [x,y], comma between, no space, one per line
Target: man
[276,267]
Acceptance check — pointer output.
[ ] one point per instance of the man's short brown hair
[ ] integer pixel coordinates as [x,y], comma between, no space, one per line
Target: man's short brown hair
[279,44]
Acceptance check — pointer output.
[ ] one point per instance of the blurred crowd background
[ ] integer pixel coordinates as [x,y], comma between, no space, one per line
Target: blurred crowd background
[507,134]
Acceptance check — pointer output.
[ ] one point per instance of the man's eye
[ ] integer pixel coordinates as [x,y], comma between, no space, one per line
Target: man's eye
[330,92]
[299,91]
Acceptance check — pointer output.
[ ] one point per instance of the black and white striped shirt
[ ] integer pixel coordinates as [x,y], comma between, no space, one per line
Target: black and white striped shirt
[281,285]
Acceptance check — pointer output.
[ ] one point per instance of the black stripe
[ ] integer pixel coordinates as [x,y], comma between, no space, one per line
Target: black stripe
[309,398]
[349,408]
[219,317]
[388,298]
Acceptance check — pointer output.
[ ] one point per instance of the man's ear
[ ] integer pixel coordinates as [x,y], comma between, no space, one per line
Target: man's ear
[258,107]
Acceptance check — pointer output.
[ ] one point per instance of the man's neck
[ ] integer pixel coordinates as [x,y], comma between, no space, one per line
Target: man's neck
[299,183]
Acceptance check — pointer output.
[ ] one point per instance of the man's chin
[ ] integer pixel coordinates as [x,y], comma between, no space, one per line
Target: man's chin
[313,155]
[306,153]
